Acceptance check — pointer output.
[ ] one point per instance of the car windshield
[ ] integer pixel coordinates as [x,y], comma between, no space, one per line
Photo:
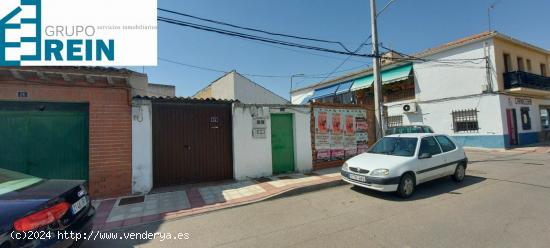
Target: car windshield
[11,181]
[397,146]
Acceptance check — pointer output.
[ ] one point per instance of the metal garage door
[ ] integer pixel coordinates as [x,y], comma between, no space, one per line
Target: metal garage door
[192,142]
[48,140]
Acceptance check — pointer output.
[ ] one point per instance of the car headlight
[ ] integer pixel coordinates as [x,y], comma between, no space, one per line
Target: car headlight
[380,172]
[345,167]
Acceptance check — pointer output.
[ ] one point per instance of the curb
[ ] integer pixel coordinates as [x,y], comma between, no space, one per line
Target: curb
[306,189]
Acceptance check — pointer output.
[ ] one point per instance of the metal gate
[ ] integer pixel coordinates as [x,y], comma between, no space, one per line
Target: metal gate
[192,142]
[48,140]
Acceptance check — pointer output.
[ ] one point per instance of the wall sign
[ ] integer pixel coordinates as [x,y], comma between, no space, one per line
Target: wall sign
[22,94]
[523,101]
[214,122]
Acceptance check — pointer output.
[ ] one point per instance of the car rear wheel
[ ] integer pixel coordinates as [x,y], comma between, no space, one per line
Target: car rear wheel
[460,172]
[406,186]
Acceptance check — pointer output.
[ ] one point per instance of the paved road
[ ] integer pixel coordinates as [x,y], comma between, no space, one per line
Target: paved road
[503,202]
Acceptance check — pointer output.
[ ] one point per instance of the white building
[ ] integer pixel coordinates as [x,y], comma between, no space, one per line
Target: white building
[234,86]
[487,90]
[270,139]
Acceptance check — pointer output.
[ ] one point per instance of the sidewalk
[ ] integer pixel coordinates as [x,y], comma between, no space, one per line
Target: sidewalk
[134,210]
[543,147]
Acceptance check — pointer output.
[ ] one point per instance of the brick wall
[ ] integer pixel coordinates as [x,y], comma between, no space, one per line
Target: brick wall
[110,133]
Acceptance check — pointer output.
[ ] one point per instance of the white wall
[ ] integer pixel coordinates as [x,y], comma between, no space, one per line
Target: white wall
[509,102]
[434,80]
[224,87]
[247,91]
[252,156]
[437,114]
[142,147]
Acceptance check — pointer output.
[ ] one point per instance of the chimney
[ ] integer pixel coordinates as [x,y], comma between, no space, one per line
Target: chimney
[389,57]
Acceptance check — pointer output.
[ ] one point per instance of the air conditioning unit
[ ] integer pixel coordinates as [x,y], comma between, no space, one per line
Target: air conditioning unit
[409,108]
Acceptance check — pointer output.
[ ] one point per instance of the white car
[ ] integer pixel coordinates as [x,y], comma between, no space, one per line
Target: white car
[399,162]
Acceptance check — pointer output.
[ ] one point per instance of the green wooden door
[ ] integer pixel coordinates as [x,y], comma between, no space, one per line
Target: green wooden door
[48,140]
[282,143]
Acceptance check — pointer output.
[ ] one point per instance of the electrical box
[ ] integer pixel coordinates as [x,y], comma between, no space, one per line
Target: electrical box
[258,123]
[258,133]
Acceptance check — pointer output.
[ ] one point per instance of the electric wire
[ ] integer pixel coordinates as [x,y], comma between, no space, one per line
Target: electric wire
[254,37]
[255,29]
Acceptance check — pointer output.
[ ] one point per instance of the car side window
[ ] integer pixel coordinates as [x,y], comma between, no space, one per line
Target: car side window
[429,145]
[427,130]
[446,143]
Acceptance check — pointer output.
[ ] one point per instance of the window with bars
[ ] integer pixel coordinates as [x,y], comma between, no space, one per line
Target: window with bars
[394,121]
[465,120]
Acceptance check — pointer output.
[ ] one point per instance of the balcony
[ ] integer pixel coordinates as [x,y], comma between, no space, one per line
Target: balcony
[526,83]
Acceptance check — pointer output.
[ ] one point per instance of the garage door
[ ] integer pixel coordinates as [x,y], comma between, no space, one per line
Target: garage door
[191,143]
[48,140]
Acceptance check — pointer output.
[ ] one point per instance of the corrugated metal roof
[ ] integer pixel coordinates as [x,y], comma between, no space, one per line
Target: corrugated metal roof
[184,99]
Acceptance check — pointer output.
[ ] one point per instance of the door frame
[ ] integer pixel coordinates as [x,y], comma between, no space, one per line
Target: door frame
[292,118]
[511,120]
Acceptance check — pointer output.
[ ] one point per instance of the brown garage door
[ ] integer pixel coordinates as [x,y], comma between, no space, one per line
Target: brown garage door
[192,142]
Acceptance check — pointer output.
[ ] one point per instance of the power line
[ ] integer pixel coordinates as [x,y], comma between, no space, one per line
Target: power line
[254,29]
[253,37]
[345,60]
[320,75]
[306,52]
[407,57]
[358,48]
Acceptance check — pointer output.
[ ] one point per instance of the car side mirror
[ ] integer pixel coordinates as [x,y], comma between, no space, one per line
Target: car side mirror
[424,155]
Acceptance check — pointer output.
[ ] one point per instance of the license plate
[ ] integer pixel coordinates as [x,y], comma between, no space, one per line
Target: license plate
[357,178]
[79,205]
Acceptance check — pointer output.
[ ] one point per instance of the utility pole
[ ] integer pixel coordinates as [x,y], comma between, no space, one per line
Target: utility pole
[378,106]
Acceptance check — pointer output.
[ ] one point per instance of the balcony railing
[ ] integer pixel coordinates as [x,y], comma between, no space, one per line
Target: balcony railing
[516,79]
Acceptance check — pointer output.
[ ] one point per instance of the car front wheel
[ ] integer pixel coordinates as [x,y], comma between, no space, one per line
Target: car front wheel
[406,186]
[460,172]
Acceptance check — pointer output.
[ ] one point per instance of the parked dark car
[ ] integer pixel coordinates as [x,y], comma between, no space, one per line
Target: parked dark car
[409,129]
[34,211]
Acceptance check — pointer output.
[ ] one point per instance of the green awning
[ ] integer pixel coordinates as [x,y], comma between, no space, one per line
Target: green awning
[388,76]
[396,74]
[363,82]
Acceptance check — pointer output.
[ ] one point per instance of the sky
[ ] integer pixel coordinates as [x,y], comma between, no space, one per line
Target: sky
[407,26]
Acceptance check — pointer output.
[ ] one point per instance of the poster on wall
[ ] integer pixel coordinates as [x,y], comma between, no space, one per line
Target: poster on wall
[322,143]
[336,136]
[350,144]
[361,134]
[339,133]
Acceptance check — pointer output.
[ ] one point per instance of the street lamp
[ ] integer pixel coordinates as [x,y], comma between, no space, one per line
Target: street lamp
[292,84]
